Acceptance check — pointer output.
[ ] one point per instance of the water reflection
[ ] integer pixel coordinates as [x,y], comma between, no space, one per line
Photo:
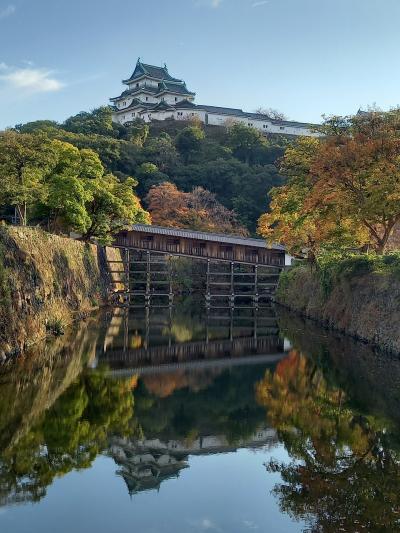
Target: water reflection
[156,390]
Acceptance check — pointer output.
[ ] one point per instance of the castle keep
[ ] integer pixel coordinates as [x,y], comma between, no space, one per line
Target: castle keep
[153,94]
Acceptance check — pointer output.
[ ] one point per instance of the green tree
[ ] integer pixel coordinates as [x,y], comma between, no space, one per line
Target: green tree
[25,161]
[68,190]
[188,142]
[245,141]
[112,207]
[98,121]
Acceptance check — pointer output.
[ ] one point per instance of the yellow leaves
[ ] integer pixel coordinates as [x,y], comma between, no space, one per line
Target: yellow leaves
[343,190]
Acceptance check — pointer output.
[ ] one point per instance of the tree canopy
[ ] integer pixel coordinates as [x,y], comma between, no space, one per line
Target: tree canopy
[198,210]
[343,190]
[235,163]
[67,188]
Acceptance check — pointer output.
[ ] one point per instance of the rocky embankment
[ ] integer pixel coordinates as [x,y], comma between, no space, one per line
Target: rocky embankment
[46,281]
[363,305]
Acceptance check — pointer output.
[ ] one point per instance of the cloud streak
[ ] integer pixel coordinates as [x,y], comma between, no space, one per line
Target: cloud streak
[7,11]
[30,80]
[260,3]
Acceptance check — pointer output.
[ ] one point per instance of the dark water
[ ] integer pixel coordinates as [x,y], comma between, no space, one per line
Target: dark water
[181,421]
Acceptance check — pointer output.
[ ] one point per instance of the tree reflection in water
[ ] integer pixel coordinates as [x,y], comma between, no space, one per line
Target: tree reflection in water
[334,403]
[68,436]
[345,468]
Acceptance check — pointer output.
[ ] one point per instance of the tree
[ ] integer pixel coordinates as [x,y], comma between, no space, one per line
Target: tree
[67,192]
[358,172]
[98,121]
[162,152]
[271,113]
[44,126]
[343,190]
[25,161]
[244,141]
[112,207]
[188,142]
[167,205]
[198,210]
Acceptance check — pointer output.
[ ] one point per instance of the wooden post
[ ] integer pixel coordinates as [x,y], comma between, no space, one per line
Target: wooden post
[256,286]
[148,279]
[232,302]
[208,296]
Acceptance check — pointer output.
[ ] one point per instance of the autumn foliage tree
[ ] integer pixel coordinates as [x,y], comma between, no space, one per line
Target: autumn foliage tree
[343,190]
[198,210]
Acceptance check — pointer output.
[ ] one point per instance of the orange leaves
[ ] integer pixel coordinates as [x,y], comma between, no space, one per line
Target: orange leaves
[198,210]
[343,191]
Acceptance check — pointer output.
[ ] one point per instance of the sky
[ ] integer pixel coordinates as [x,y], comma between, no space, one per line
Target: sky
[303,57]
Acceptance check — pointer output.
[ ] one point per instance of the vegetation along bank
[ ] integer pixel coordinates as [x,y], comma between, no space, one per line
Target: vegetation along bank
[358,295]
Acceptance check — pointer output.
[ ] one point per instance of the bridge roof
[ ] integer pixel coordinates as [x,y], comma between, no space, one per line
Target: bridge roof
[204,236]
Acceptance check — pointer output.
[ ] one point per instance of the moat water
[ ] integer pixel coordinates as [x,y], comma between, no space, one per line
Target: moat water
[185,421]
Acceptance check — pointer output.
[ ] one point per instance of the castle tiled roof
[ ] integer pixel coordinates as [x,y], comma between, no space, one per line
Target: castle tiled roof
[184,104]
[222,110]
[163,106]
[159,73]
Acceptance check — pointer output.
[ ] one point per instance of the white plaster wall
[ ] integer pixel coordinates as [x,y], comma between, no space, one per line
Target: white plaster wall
[214,119]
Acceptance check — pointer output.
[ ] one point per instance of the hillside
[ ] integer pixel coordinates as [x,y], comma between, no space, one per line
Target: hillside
[236,164]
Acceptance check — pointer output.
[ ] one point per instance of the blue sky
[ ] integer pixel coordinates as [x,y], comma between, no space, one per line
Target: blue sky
[303,57]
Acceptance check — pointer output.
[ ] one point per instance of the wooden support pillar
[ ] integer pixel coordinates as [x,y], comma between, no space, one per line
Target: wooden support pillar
[256,286]
[208,296]
[231,321]
[148,280]
[147,334]
[126,329]
[232,299]
[170,326]
[207,324]
[171,293]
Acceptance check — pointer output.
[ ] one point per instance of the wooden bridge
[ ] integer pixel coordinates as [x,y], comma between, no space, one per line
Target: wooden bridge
[202,245]
[235,267]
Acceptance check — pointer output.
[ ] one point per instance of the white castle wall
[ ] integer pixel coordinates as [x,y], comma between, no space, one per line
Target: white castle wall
[214,119]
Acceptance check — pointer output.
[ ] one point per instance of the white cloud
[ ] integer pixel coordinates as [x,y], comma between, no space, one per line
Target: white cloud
[3,66]
[260,3]
[7,11]
[216,3]
[34,80]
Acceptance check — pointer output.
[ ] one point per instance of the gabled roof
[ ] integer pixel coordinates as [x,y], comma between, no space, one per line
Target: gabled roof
[142,89]
[162,106]
[204,236]
[184,104]
[179,88]
[159,73]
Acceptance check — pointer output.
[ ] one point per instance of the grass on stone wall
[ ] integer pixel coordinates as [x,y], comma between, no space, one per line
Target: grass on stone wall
[331,268]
